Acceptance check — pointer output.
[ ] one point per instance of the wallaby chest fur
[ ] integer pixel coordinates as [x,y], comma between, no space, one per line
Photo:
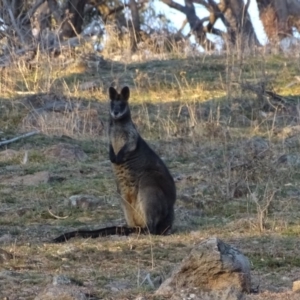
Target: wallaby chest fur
[126,174]
[121,134]
[146,187]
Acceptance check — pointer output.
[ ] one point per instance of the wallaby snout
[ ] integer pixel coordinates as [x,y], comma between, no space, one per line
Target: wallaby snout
[117,109]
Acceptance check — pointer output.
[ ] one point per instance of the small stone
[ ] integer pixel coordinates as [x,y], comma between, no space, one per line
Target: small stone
[5,256]
[84,201]
[61,280]
[296,286]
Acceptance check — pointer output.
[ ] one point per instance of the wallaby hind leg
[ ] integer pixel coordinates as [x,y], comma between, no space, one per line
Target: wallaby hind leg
[129,213]
[151,200]
[165,225]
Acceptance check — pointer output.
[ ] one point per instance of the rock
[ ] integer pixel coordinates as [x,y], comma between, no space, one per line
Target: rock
[28,180]
[5,256]
[291,160]
[211,265]
[296,286]
[198,294]
[62,279]
[66,152]
[13,168]
[267,295]
[118,285]
[66,292]
[8,154]
[84,201]
[89,85]
[5,238]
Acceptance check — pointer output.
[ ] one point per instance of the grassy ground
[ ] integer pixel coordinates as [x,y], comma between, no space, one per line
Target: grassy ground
[232,149]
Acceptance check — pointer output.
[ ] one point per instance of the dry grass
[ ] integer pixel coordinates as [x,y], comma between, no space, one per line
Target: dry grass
[236,167]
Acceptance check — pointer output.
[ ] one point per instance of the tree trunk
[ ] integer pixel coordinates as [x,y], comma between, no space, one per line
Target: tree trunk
[233,13]
[279,17]
[239,26]
[73,13]
[135,27]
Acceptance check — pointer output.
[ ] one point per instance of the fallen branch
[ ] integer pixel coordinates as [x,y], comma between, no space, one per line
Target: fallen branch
[18,138]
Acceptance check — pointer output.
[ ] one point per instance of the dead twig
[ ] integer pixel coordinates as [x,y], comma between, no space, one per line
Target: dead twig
[55,216]
[18,138]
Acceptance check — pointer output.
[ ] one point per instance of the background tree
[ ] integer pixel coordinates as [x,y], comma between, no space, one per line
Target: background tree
[50,24]
[279,17]
[233,13]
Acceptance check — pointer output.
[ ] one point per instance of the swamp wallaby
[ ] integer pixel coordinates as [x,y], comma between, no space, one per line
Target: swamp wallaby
[144,182]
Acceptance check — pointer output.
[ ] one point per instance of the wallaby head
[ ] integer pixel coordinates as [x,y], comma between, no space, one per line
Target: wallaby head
[119,103]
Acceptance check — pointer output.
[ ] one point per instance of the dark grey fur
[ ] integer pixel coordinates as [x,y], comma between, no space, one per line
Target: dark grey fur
[145,184]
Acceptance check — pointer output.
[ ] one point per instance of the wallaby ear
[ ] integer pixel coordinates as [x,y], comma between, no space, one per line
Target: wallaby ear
[112,93]
[125,93]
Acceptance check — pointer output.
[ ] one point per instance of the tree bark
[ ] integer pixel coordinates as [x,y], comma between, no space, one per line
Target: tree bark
[72,23]
[233,13]
[279,17]
[135,25]
[239,26]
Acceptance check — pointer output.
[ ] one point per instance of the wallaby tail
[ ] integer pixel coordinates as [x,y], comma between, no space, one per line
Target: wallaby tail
[114,230]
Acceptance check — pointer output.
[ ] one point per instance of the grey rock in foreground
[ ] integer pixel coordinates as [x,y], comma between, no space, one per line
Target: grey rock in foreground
[211,266]
[68,292]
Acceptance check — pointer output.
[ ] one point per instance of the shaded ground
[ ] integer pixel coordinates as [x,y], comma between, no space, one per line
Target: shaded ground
[234,158]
